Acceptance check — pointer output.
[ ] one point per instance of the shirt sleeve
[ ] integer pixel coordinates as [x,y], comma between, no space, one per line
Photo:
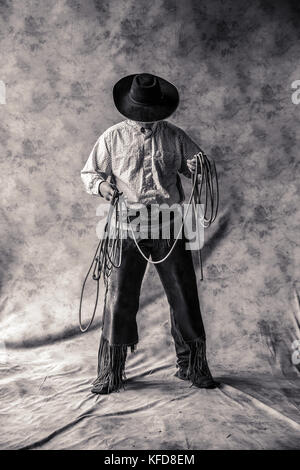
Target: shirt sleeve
[188,149]
[97,167]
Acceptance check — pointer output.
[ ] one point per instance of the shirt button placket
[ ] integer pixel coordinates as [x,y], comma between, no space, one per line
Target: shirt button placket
[147,158]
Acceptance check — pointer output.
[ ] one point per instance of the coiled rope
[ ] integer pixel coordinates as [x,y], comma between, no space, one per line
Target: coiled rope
[108,254]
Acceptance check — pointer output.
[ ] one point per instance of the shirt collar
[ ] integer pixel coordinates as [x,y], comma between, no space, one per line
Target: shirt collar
[138,125]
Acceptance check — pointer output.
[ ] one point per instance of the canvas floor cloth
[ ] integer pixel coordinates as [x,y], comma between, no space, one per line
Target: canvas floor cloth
[46,403]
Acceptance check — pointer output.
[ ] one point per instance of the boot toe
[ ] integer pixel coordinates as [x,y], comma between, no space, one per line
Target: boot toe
[102,389]
[181,374]
[205,382]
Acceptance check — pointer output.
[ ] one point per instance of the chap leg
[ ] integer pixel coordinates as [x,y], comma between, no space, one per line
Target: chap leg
[119,329]
[179,280]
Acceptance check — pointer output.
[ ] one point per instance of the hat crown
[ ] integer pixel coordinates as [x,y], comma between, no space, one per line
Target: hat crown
[145,89]
[146,79]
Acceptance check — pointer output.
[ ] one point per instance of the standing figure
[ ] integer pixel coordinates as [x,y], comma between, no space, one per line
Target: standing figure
[141,157]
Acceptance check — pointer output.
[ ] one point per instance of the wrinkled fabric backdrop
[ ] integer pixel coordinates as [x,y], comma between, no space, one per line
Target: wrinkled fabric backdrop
[233,63]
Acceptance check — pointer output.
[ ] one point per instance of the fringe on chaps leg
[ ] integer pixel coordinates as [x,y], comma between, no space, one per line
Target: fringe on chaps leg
[198,367]
[111,366]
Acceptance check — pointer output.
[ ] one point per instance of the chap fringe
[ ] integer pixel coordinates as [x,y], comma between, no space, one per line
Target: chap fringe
[111,365]
[198,366]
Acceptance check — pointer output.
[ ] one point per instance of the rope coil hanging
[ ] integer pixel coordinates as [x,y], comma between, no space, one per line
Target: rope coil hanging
[108,254]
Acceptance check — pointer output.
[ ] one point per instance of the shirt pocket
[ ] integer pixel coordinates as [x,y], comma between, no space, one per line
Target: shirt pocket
[165,160]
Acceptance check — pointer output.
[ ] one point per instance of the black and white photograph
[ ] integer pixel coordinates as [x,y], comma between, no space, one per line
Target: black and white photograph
[150,227]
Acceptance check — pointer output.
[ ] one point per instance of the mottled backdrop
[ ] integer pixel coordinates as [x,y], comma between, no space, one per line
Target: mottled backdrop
[233,63]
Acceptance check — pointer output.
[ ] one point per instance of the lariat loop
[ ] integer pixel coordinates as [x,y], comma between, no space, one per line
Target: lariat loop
[108,255]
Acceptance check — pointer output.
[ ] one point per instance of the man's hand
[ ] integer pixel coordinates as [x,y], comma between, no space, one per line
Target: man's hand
[106,190]
[191,164]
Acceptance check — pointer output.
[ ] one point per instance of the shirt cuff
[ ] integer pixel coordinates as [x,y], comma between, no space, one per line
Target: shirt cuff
[96,186]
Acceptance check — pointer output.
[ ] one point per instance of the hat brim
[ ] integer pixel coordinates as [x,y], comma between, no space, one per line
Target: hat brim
[141,112]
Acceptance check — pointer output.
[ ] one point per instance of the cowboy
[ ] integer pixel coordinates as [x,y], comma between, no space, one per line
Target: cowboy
[141,157]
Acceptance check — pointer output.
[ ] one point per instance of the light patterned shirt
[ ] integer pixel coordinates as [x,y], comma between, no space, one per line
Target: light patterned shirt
[144,159]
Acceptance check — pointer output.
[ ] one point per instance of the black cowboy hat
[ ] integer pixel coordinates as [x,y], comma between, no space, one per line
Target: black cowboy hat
[145,97]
